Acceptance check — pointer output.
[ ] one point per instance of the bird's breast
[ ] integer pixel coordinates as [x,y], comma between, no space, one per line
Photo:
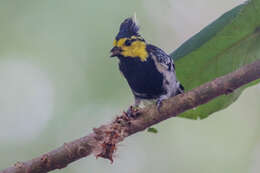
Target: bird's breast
[142,77]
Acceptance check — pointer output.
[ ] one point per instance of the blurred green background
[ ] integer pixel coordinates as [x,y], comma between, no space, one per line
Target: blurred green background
[57,82]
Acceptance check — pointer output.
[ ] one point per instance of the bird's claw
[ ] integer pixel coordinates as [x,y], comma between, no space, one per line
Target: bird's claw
[132,111]
[159,104]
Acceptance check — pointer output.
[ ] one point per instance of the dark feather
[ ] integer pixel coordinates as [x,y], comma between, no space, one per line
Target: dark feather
[127,29]
[143,77]
[161,57]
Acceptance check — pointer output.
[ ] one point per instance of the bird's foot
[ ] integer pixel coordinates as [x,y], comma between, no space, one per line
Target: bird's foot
[133,111]
[159,103]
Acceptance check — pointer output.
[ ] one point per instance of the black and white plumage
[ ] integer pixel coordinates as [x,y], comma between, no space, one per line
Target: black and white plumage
[149,71]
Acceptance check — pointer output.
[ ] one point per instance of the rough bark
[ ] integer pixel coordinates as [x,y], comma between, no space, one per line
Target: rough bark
[102,142]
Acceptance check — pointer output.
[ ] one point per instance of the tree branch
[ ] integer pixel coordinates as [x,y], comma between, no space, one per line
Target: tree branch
[102,142]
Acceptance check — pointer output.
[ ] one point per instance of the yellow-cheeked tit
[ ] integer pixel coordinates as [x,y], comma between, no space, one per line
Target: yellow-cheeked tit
[149,71]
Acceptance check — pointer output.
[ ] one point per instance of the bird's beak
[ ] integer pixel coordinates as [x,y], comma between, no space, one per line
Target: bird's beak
[115,51]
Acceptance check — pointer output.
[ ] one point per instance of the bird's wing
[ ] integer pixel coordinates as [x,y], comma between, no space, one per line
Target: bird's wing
[161,57]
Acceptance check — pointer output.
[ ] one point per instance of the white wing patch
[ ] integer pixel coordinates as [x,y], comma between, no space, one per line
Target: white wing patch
[165,65]
[165,60]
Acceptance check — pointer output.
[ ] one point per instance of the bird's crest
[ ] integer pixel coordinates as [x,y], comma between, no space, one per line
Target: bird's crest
[128,28]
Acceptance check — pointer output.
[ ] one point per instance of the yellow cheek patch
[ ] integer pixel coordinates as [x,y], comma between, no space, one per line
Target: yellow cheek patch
[114,43]
[121,42]
[136,50]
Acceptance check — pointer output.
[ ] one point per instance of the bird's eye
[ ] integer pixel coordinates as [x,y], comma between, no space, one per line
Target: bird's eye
[128,42]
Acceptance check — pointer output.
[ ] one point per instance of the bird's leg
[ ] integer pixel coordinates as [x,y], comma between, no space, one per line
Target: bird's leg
[159,101]
[133,109]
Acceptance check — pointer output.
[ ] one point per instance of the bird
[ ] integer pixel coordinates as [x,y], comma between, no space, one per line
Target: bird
[149,71]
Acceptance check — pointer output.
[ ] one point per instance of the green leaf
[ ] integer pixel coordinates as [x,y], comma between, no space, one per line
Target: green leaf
[152,130]
[225,45]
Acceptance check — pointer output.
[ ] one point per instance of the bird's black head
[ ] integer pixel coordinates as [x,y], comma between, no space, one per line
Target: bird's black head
[128,28]
[128,42]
